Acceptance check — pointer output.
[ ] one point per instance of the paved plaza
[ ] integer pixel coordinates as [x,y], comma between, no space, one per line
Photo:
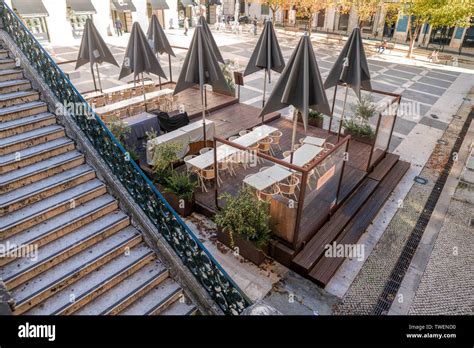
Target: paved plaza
[431,95]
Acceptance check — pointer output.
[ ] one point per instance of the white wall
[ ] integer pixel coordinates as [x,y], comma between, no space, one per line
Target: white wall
[60,30]
[103,18]
[171,13]
[141,15]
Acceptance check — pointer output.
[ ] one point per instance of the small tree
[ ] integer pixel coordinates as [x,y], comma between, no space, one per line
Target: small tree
[366,9]
[275,5]
[437,13]
[308,9]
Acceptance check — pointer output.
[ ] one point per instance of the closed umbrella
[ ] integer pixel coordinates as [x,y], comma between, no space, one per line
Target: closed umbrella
[207,31]
[351,69]
[201,67]
[93,50]
[159,42]
[300,85]
[139,57]
[266,55]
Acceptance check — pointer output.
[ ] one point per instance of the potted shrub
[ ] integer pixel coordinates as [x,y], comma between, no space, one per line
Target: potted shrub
[179,192]
[359,126]
[315,118]
[121,131]
[177,188]
[245,223]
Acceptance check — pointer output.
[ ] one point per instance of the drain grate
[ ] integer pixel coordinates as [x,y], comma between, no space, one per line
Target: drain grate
[392,285]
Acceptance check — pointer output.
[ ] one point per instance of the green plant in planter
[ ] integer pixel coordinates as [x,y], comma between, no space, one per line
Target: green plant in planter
[228,72]
[316,115]
[360,124]
[164,156]
[245,215]
[121,131]
[181,185]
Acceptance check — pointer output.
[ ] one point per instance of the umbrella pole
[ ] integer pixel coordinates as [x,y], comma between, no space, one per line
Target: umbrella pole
[342,114]
[264,88]
[159,81]
[98,76]
[93,77]
[203,116]
[332,109]
[293,136]
[171,72]
[143,90]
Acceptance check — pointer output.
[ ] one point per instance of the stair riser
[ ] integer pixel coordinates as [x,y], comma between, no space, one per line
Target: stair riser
[46,173]
[3,55]
[47,193]
[12,76]
[77,248]
[24,113]
[54,211]
[105,287]
[5,150]
[167,303]
[15,88]
[126,303]
[73,226]
[7,65]
[27,127]
[36,158]
[23,307]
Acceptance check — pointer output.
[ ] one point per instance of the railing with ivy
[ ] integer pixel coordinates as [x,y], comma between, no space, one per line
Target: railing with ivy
[187,246]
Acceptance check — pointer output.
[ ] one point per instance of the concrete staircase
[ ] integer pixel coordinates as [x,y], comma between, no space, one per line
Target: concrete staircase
[89,259]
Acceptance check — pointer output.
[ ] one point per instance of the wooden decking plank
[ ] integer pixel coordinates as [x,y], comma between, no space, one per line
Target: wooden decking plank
[323,271]
[384,167]
[314,249]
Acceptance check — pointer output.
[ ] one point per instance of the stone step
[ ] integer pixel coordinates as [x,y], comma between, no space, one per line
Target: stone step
[59,226]
[126,293]
[99,285]
[156,300]
[11,74]
[73,269]
[48,208]
[25,140]
[4,53]
[40,170]
[23,269]
[35,154]
[14,85]
[180,308]
[26,124]
[15,112]
[45,188]
[7,63]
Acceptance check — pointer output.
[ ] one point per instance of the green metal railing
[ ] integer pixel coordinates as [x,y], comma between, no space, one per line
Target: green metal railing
[187,246]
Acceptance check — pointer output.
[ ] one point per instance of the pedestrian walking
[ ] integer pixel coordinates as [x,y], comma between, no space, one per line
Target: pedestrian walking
[118,26]
[186,26]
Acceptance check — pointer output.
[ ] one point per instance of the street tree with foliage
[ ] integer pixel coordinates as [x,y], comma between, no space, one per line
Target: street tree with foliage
[308,9]
[366,9]
[437,13]
[275,5]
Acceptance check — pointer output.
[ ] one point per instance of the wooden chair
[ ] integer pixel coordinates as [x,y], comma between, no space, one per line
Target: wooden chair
[206,175]
[126,94]
[267,194]
[204,150]
[113,97]
[243,132]
[289,188]
[296,147]
[232,138]
[136,109]
[110,116]
[276,137]
[224,166]
[301,140]
[265,146]
[150,88]
[151,105]
[252,153]
[263,168]
[286,154]
[189,167]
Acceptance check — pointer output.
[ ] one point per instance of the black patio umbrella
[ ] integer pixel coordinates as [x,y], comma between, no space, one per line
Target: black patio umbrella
[207,32]
[266,55]
[93,50]
[351,69]
[139,57]
[158,41]
[300,85]
[201,67]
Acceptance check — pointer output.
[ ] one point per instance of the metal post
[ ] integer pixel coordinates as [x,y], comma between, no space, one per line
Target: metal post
[342,114]
[264,88]
[293,136]
[143,89]
[332,109]
[171,70]
[93,77]
[98,76]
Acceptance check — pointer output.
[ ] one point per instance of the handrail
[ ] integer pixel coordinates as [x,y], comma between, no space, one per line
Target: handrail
[187,246]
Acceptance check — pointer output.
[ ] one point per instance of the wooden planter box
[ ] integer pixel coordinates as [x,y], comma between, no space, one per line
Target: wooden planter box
[246,248]
[174,201]
[315,122]
[360,139]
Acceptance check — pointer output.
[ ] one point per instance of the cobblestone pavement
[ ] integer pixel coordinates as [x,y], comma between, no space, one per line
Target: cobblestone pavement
[447,286]
[369,283]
